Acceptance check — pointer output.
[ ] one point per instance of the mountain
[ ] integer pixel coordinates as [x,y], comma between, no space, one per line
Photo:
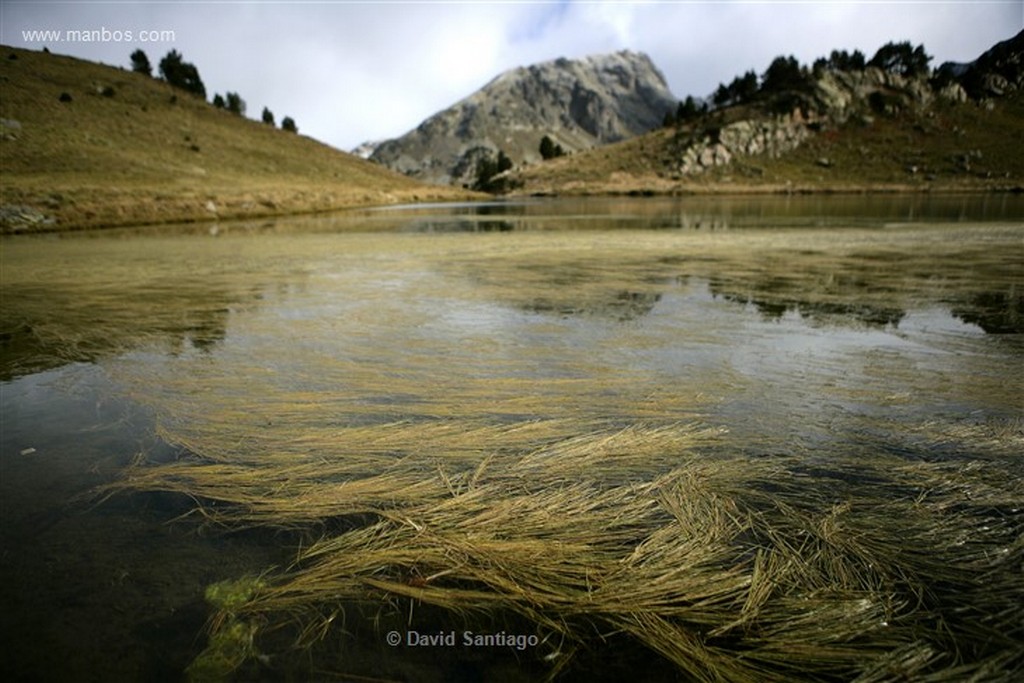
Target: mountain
[825,129]
[999,69]
[88,145]
[579,103]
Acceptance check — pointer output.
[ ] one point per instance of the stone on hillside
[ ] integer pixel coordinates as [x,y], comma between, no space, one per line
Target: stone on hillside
[994,84]
[954,92]
[9,129]
[18,218]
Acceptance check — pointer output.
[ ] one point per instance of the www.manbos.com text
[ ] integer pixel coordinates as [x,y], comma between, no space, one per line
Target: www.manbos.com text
[98,35]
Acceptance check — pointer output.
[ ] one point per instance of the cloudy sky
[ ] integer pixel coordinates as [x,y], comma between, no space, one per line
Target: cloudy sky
[353,70]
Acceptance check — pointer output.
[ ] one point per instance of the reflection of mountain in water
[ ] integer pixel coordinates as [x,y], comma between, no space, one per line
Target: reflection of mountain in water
[570,286]
[817,311]
[622,306]
[844,293]
[458,225]
[49,327]
[994,312]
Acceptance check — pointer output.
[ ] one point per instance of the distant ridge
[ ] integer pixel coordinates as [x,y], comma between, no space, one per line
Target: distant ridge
[579,103]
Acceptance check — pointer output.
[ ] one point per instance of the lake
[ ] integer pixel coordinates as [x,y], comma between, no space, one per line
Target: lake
[770,438]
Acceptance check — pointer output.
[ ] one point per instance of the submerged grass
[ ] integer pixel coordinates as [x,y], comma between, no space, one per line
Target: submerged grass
[527,445]
[733,569]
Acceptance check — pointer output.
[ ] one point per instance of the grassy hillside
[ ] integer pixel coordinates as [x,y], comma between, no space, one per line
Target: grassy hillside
[944,147]
[130,149]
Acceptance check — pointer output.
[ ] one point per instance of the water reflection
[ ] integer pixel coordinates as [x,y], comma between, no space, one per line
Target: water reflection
[622,306]
[697,213]
[463,225]
[83,298]
[282,338]
[46,327]
[996,312]
[831,313]
[822,286]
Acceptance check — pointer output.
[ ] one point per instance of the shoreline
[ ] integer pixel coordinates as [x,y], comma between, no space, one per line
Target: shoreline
[63,215]
[70,211]
[762,190]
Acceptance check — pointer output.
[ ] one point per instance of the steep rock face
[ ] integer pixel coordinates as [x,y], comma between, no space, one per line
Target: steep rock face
[578,103]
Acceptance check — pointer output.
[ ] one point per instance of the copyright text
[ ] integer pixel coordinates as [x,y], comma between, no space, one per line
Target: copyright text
[518,641]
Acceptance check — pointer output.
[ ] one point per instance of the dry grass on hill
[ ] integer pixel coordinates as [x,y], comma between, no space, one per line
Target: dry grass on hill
[130,149]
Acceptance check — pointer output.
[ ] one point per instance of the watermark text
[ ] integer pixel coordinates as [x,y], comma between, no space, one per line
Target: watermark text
[98,35]
[517,641]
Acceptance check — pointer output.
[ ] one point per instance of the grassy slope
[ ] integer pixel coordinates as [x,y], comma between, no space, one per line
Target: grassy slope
[875,157]
[139,157]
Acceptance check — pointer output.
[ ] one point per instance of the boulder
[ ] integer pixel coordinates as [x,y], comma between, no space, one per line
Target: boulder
[954,92]
[10,129]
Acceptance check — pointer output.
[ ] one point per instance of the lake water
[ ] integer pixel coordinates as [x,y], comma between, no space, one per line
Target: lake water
[820,329]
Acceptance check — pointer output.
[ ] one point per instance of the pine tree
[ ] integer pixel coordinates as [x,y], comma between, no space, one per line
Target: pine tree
[902,59]
[721,96]
[235,103]
[182,74]
[504,163]
[784,73]
[549,149]
[140,63]
[486,170]
[687,110]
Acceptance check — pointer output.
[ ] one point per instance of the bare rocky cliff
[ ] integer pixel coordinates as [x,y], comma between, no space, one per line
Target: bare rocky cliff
[579,104]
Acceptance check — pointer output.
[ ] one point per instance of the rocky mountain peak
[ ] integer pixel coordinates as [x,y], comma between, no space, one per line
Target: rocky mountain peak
[578,103]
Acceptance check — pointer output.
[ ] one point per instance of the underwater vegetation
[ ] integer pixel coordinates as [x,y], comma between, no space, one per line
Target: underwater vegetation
[778,455]
[729,567]
[876,535]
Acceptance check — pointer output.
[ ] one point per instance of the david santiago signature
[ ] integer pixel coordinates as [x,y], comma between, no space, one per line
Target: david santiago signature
[518,641]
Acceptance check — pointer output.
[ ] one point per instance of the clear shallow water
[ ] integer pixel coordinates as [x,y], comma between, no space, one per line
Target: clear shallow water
[813,326]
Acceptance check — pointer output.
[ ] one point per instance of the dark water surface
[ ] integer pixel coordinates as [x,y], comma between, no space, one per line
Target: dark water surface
[813,325]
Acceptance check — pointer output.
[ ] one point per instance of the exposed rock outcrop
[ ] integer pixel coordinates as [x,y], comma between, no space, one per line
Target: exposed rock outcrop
[837,97]
[578,103]
[771,136]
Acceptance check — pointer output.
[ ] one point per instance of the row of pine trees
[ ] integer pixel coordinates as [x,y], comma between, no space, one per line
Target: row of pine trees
[786,75]
[184,75]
